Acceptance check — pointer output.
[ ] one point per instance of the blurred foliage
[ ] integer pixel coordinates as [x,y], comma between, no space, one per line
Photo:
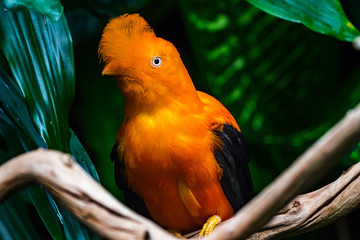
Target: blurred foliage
[285,85]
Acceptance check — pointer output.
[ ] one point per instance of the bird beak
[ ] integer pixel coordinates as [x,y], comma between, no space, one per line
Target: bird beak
[114,69]
[110,70]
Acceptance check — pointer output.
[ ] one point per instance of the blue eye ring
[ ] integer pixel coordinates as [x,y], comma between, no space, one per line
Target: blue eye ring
[156,61]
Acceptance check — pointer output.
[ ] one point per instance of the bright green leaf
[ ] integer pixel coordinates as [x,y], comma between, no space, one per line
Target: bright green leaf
[323,16]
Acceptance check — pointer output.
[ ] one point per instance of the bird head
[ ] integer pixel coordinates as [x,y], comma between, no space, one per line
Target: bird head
[144,65]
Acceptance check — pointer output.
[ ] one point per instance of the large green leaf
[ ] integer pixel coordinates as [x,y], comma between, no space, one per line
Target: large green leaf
[17,131]
[40,55]
[323,16]
[37,48]
[17,134]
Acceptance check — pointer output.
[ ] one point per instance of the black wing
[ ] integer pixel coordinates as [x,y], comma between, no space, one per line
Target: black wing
[131,199]
[233,158]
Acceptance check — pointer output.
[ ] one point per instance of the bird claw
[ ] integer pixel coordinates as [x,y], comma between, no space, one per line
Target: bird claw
[176,234]
[209,226]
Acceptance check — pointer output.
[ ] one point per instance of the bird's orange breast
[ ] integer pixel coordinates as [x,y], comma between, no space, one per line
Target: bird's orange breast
[165,150]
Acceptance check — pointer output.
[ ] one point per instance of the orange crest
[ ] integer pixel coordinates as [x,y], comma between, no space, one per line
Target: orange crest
[124,35]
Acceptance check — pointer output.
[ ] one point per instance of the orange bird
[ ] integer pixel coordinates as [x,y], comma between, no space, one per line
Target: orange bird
[180,157]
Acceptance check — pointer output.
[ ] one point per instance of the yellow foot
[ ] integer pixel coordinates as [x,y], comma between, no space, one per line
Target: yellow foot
[209,226]
[175,233]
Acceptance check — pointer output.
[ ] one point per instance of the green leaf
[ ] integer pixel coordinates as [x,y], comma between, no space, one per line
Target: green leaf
[323,16]
[40,56]
[51,8]
[37,48]
[17,131]
[18,135]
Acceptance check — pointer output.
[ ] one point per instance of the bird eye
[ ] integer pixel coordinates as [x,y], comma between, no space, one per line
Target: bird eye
[156,61]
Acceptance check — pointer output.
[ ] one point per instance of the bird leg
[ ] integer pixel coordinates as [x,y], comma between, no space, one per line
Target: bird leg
[209,226]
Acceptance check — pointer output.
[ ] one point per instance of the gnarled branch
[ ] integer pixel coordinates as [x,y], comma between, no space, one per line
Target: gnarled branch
[316,209]
[95,207]
[82,195]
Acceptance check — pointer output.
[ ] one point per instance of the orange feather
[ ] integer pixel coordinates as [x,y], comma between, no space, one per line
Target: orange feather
[166,140]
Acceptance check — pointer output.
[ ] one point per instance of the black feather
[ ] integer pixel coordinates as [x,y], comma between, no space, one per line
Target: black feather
[132,200]
[233,158]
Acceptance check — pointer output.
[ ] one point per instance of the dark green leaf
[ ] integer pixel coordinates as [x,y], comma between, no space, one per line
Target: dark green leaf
[37,48]
[323,16]
[18,135]
[40,56]
[15,122]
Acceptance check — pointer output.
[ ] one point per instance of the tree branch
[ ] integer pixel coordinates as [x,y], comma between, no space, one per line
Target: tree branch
[76,190]
[95,207]
[316,209]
